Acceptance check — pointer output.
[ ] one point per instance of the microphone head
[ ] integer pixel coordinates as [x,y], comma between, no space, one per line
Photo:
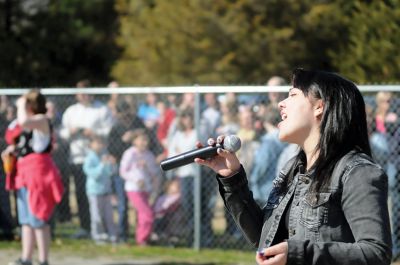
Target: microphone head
[232,143]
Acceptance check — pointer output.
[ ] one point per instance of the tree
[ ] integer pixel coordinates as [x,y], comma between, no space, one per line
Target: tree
[205,42]
[247,41]
[371,53]
[57,43]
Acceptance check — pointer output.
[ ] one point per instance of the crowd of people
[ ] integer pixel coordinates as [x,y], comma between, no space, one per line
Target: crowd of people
[110,148]
[329,203]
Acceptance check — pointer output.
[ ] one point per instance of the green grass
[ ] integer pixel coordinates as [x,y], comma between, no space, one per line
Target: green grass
[65,246]
[168,255]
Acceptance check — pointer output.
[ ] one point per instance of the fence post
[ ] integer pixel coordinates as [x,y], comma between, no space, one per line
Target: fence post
[197,179]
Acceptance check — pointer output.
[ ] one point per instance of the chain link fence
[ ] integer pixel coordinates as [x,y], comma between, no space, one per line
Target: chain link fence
[184,207]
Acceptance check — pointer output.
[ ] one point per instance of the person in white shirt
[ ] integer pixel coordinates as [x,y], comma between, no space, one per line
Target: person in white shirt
[80,121]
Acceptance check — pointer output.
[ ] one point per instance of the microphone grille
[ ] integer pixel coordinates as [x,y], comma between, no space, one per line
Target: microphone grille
[232,143]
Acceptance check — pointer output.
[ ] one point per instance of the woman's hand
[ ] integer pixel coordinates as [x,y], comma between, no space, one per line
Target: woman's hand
[224,163]
[8,151]
[21,102]
[275,255]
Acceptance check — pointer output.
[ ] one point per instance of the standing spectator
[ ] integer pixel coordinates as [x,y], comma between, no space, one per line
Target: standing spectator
[247,134]
[148,111]
[229,115]
[383,113]
[187,101]
[273,96]
[387,137]
[181,140]
[229,125]
[38,182]
[172,101]
[99,167]
[266,157]
[141,173]
[167,116]
[184,139]
[149,114]
[114,97]
[80,121]
[60,155]
[5,103]
[119,140]
[211,114]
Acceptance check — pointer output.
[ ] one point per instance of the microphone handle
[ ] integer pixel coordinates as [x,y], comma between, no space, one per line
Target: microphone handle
[188,157]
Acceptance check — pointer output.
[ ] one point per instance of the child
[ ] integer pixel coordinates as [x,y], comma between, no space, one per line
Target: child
[37,180]
[99,168]
[167,212]
[139,169]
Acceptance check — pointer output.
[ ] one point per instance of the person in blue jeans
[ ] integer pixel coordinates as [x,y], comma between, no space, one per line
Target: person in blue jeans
[118,142]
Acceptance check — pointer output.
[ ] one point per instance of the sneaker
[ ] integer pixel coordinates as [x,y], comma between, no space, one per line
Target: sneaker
[20,262]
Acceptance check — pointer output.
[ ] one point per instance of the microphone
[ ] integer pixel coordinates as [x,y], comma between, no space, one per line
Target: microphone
[231,143]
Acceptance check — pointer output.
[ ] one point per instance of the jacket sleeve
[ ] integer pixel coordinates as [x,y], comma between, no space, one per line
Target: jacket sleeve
[364,203]
[239,201]
[93,167]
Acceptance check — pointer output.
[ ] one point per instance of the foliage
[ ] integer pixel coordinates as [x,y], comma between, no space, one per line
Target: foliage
[56,43]
[371,53]
[186,42]
[247,41]
[203,42]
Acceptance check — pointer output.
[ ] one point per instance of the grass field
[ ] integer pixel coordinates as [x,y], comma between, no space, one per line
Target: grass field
[86,253]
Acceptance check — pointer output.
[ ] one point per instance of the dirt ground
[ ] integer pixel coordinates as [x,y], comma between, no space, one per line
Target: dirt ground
[60,259]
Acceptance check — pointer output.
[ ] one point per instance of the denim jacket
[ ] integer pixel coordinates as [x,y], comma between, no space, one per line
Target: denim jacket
[348,223]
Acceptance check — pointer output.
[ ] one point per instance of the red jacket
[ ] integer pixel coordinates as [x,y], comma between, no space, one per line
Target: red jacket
[40,176]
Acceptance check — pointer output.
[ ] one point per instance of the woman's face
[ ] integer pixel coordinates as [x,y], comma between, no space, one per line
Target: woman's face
[187,122]
[299,117]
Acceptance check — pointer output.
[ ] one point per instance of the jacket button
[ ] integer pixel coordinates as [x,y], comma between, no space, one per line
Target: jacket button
[292,232]
[277,217]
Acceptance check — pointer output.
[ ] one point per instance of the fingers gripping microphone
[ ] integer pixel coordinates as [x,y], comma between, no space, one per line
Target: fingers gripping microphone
[231,143]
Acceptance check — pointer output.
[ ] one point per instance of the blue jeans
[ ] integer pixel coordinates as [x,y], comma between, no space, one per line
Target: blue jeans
[122,226]
[25,216]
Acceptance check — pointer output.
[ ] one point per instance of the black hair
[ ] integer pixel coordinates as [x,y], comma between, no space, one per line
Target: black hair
[343,124]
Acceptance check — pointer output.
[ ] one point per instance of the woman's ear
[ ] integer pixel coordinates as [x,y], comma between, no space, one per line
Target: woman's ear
[319,108]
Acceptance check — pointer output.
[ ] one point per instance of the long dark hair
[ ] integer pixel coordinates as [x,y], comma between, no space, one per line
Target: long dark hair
[343,125]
